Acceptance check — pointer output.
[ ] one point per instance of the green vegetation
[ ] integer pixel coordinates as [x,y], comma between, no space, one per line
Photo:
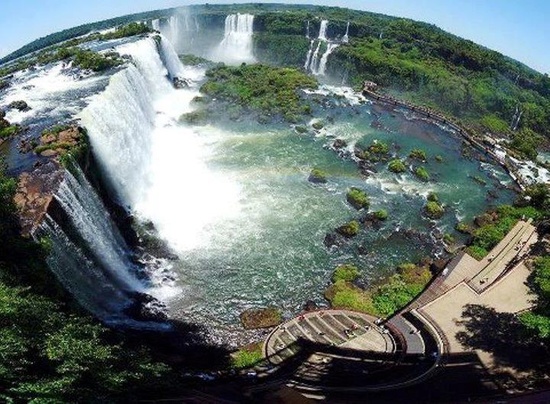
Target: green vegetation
[192,60]
[392,295]
[269,90]
[247,357]
[378,147]
[433,197]
[86,59]
[434,210]
[9,131]
[439,158]
[317,176]
[345,272]
[489,234]
[357,198]
[345,295]
[397,166]
[538,319]
[381,214]
[350,229]
[418,154]
[422,173]
[526,142]
[464,228]
[50,351]
[66,141]
[318,125]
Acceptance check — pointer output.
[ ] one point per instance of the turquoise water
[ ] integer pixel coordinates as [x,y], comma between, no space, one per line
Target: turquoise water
[272,252]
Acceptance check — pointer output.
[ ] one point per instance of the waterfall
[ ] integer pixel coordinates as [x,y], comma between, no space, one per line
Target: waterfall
[236,46]
[156,24]
[93,263]
[323,63]
[308,56]
[307,30]
[126,108]
[315,63]
[345,38]
[323,30]
[179,29]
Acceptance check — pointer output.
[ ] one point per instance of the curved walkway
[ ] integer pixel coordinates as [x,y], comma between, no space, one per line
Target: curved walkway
[345,351]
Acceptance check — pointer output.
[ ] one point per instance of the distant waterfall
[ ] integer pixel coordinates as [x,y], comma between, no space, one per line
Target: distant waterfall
[315,62]
[180,29]
[93,263]
[345,38]
[236,45]
[307,30]
[323,30]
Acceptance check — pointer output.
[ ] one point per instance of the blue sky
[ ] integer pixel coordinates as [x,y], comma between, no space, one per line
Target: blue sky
[517,28]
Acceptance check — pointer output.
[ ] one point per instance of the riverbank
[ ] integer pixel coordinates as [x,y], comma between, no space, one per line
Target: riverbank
[470,136]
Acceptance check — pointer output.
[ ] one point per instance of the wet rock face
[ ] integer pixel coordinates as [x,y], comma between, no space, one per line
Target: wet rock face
[146,308]
[35,193]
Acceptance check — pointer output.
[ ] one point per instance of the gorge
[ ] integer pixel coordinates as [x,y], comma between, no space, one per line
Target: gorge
[170,220]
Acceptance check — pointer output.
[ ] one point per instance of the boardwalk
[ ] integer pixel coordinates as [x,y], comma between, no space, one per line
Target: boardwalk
[344,351]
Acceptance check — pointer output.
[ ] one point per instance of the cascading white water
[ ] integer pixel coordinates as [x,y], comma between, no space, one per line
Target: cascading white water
[81,276]
[345,38]
[307,30]
[179,29]
[156,24]
[323,62]
[90,219]
[308,56]
[323,31]
[152,162]
[315,62]
[236,45]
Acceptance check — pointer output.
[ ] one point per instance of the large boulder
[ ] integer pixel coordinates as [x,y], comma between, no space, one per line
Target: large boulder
[20,105]
[261,318]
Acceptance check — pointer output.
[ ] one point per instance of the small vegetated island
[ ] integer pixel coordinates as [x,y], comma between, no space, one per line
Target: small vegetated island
[340,165]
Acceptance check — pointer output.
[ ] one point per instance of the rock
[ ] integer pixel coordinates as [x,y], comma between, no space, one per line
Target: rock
[20,105]
[333,240]
[2,114]
[261,318]
[310,306]
[317,176]
[146,308]
[34,194]
[339,144]
[180,83]
[4,123]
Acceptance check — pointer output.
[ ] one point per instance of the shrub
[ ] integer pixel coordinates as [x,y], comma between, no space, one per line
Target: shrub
[345,272]
[358,198]
[434,210]
[378,147]
[349,229]
[397,166]
[418,154]
[422,173]
[381,214]
[432,197]
[317,176]
[345,295]
[247,357]
[477,252]
[439,158]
